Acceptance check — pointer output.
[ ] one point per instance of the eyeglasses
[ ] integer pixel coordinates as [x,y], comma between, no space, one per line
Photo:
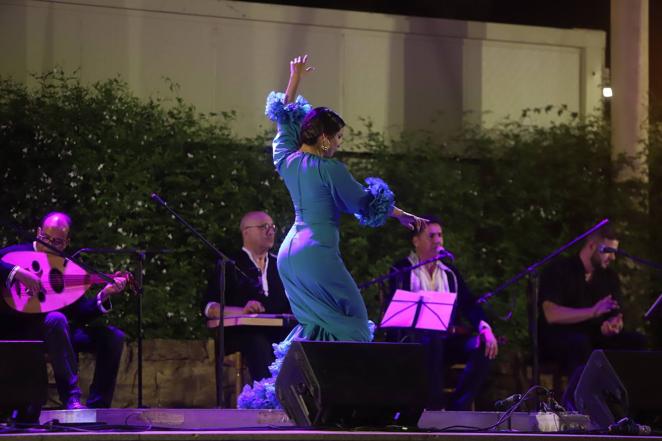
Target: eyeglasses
[55,241]
[263,227]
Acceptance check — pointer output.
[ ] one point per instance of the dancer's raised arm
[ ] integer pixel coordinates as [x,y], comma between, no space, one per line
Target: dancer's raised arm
[297,70]
[288,110]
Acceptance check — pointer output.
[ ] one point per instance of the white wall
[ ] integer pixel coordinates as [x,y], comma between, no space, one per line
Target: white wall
[398,71]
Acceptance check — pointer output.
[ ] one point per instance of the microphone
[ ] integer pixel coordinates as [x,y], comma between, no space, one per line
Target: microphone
[606,250]
[156,198]
[627,426]
[507,402]
[442,253]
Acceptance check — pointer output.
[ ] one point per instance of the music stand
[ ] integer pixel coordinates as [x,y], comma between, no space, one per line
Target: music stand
[429,310]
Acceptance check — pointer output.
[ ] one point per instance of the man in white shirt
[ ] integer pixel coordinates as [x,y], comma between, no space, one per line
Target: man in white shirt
[455,346]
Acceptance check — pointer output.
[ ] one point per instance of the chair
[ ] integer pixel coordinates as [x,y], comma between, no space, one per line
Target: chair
[239,373]
[451,378]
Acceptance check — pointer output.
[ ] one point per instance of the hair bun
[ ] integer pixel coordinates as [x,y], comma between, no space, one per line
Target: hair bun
[320,121]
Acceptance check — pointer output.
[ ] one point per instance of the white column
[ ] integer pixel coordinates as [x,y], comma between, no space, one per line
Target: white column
[629,80]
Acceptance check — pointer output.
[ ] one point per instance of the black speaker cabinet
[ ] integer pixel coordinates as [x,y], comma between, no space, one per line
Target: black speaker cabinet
[353,384]
[616,384]
[23,380]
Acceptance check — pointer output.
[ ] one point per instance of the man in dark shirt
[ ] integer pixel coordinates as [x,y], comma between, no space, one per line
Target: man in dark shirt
[445,349]
[579,299]
[261,292]
[69,330]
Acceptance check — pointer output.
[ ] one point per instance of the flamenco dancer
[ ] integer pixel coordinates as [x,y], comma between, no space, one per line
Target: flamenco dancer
[324,298]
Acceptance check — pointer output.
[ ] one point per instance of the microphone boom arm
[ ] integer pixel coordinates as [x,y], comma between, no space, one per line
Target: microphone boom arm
[646,262]
[397,272]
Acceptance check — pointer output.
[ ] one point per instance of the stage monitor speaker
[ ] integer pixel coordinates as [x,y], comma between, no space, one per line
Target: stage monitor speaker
[618,384]
[349,384]
[23,379]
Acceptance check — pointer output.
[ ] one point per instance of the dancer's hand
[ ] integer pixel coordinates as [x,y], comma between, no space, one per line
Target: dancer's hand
[297,69]
[298,66]
[409,220]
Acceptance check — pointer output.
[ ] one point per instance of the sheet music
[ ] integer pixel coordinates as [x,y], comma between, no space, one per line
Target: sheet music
[420,310]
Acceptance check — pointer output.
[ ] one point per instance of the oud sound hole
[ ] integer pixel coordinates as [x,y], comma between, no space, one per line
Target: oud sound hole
[35,266]
[56,280]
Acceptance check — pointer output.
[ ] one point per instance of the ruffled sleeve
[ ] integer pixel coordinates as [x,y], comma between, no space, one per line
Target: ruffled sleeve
[371,204]
[288,117]
[380,207]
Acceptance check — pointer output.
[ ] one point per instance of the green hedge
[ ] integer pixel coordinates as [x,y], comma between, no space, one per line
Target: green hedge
[507,196]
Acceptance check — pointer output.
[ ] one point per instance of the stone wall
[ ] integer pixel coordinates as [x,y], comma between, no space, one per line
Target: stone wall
[180,373]
[176,373]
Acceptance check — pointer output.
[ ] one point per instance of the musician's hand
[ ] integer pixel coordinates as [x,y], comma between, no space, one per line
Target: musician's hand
[118,285]
[214,310]
[29,280]
[253,307]
[491,343]
[612,326]
[604,306]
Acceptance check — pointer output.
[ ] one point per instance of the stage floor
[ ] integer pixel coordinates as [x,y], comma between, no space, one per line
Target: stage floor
[317,435]
[266,425]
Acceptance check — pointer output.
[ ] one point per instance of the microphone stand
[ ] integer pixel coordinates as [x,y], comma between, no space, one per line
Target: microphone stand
[642,261]
[531,271]
[222,262]
[384,277]
[397,272]
[140,259]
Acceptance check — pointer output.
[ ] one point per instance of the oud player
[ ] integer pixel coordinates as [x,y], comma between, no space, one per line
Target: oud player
[69,330]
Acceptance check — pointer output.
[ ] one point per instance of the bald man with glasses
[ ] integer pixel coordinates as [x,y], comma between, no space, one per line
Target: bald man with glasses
[261,292]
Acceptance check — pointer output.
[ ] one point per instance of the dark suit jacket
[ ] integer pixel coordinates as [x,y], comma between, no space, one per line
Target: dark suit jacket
[465,304]
[80,312]
[239,289]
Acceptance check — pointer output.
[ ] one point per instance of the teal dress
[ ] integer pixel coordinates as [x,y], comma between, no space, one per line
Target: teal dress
[324,297]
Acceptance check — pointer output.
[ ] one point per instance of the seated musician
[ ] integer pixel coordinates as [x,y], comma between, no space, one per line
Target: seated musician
[579,298]
[69,330]
[261,292]
[445,349]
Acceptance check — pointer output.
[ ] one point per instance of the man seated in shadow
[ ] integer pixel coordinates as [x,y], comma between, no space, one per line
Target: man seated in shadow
[446,348]
[260,291]
[580,309]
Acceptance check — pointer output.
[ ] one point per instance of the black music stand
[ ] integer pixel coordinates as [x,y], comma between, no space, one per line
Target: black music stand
[420,310]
